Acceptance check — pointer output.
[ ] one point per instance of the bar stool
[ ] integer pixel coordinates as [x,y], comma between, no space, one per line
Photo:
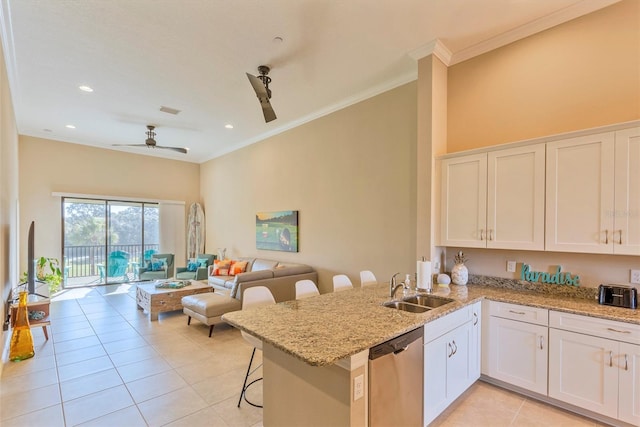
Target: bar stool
[341,283]
[306,288]
[251,298]
[367,278]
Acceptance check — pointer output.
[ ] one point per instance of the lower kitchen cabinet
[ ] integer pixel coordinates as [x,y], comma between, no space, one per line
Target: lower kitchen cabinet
[595,364]
[516,350]
[451,359]
[582,371]
[629,383]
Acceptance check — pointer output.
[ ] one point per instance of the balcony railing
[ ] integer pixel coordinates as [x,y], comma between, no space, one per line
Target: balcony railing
[81,261]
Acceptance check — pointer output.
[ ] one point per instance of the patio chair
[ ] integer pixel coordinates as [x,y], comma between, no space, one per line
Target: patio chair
[117,265]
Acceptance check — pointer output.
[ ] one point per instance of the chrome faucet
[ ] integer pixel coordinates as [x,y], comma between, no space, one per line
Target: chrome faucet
[393,287]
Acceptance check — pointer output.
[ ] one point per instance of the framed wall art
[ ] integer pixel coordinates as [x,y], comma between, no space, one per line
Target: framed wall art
[277,231]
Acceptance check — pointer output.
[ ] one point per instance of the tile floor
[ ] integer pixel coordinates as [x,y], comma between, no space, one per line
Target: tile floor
[106,364]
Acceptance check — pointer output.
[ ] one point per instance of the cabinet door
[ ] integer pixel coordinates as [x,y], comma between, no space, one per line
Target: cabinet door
[464,201]
[626,235]
[518,353]
[583,372]
[579,196]
[447,370]
[476,342]
[629,387]
[515,198]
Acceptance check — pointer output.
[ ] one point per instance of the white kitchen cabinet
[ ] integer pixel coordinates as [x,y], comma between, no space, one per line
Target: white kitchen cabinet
[594,364]
[629,396]
[517,345]
[475,348]
[495,199]
[448,366]
[593,193]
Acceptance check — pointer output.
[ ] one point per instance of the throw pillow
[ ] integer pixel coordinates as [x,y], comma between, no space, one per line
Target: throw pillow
[158,264]
[202,262]
[192,265]
[237,267]
[221,268]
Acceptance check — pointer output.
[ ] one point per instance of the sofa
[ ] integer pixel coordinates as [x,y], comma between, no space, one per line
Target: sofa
[279,276]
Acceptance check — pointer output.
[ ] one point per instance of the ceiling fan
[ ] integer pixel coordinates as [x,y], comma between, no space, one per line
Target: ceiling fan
[151,142]
[261,86]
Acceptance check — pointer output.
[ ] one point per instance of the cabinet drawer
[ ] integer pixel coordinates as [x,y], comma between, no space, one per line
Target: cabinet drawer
[538,316]
[444,324]
[611,329]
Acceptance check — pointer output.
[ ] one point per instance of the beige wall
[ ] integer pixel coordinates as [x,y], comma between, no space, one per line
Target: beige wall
[8,195]
[582,74]
[352,177]
[579,75]
[48,166]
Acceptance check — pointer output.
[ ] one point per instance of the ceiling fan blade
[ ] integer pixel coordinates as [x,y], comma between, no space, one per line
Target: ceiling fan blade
[130,145]
[263,97]
[178,149]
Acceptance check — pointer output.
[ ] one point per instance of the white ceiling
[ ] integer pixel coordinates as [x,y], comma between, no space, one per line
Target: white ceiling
[192,55]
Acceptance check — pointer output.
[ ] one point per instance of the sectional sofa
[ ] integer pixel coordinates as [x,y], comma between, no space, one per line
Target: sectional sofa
[279,276]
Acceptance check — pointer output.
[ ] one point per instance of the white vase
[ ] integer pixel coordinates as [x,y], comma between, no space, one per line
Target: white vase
[459,274]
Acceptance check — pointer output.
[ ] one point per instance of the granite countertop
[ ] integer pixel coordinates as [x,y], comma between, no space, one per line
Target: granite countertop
[324,329]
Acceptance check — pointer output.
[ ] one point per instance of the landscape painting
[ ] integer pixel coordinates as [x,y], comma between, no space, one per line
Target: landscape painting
[277,231]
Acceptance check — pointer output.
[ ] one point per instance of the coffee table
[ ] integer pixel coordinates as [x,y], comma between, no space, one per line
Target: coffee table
[159,300]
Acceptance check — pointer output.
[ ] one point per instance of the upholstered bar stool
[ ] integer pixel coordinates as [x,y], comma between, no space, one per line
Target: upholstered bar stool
[367,278]
[251,298]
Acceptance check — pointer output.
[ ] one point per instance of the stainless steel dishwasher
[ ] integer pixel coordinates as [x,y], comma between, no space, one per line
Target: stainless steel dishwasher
[395,381]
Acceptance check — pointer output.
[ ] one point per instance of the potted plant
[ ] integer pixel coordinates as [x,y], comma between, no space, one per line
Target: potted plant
[47,271]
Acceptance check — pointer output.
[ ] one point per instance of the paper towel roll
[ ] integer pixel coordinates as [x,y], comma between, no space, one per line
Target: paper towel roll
[423,269]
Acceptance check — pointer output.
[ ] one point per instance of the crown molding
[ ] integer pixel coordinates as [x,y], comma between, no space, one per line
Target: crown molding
[434,47]
[567,14]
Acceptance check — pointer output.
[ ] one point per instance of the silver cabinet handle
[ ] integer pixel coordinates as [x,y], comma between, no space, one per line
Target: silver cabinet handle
[481,234]
[490,234]
[626,363]
[475,319]
[522,313]
[455,347]
[618,331]
[611,358]
[606,237]
[450,350]
[620,238]
[541,348]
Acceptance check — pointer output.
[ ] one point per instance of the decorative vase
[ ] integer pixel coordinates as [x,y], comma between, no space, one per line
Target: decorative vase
[21,346]
[459,274]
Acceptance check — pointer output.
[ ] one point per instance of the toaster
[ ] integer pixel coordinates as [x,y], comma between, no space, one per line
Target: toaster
[618,295]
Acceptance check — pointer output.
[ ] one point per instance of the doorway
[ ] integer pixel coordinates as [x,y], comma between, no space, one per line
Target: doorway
[106,241]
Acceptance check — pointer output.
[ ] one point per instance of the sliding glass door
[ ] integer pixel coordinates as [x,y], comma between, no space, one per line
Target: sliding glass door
[105,241]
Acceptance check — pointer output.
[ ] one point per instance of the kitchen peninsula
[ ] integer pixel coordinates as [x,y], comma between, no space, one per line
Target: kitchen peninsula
[314,349]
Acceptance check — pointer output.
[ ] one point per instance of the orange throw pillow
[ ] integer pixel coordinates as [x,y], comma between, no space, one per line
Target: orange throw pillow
[237,267]
[221,267]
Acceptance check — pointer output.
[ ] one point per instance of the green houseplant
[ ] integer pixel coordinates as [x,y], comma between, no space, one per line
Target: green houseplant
[47,271]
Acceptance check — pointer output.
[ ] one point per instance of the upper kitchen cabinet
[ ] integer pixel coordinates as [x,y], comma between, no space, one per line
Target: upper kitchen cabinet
[593,193]
[494,199]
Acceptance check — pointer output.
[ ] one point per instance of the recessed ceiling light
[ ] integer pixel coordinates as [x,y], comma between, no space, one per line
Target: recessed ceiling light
[229,126]
[278,39]
[85,88]
[70,126]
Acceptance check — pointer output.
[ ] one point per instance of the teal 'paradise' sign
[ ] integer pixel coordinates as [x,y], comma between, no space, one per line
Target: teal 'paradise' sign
[558,278]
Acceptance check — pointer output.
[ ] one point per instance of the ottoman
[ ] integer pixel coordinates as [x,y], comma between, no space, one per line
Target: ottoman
[208,308]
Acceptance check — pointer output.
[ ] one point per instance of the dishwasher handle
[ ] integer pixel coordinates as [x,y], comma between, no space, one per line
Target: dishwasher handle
[396,345]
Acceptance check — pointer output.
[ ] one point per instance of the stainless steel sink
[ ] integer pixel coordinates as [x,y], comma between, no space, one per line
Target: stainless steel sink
[405,306]
[428,300]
